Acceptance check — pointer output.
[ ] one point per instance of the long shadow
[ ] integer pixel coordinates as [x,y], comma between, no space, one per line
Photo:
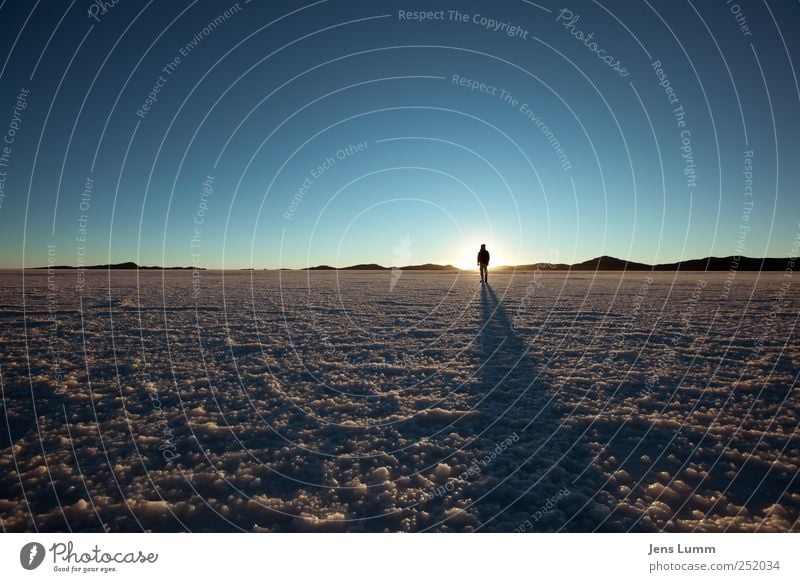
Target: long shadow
[525,452]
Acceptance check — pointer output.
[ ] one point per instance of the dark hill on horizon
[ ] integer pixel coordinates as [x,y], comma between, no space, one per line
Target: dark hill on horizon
[726,263]
[123,266]
[603,263]
[366,267]
[429,267]
[606,263]
[376,267]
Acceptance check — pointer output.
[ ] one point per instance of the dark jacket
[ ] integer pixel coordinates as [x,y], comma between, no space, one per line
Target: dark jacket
[483,257]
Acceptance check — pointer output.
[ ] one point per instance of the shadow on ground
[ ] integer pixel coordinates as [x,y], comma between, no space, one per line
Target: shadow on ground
[528,458]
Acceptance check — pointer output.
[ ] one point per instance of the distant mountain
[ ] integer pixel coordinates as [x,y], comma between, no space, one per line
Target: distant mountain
[123,266]
[725,264]
[534,267]
[376,267]
[604,263]
[429,267]
[368,267]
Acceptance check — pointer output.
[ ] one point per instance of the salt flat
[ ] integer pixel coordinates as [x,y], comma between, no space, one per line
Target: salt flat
[405,401]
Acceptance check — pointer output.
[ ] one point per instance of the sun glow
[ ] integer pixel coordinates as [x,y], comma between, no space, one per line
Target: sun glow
[467,259]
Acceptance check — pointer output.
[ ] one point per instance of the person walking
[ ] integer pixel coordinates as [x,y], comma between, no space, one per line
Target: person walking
[483,263]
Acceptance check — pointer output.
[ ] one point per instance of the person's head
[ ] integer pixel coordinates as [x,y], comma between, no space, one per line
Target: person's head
[483,247]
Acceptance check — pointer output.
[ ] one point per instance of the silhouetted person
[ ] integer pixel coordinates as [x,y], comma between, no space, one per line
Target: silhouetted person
[483,263]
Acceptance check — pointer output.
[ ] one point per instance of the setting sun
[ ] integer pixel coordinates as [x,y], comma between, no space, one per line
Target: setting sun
[467,258]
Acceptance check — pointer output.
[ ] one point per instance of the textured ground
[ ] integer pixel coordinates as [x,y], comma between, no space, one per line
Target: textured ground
[282,401]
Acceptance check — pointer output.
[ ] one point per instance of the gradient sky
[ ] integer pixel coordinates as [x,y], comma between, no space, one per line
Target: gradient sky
[262,99]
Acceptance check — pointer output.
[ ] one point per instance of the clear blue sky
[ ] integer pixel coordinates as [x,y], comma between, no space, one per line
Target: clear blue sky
[263,97]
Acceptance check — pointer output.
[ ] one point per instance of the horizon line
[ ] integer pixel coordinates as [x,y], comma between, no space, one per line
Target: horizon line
[430,266]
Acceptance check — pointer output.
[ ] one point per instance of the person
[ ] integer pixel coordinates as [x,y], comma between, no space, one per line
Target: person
[483,263]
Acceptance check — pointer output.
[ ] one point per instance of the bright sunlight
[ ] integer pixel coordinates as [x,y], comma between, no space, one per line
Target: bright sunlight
[467,258]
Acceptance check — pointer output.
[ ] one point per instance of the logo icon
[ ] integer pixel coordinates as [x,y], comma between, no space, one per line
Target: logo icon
[401,256]
[31,555]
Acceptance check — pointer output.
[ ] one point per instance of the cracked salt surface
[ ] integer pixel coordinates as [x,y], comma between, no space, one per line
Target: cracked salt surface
[351,401]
